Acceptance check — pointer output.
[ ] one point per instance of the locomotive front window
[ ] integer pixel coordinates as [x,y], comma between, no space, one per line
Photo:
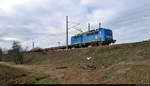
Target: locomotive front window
[79,36]
[108,31]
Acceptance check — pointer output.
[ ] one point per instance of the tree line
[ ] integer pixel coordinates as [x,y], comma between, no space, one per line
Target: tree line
[15,54]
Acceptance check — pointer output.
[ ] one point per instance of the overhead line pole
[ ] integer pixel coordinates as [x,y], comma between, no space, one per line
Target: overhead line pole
[66,32]
[100,25]
[33,45]
[89,27]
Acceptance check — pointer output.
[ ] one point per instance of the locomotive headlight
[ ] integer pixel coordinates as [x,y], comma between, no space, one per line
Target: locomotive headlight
[96,37]
[103,39]
[109,36]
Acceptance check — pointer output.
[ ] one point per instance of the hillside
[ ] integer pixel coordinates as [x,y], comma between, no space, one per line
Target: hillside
[124,63]
[13,75]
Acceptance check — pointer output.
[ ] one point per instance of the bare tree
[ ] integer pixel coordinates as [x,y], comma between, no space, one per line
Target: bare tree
[17,53]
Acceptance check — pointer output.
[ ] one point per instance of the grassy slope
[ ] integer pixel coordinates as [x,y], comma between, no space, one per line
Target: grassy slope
[11,75]
[126,63]
[102,56]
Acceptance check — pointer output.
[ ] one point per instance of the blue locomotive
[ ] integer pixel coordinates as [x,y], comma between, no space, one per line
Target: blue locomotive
[101,36]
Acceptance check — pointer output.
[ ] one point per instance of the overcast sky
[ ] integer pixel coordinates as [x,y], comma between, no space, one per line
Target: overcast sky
[43,21]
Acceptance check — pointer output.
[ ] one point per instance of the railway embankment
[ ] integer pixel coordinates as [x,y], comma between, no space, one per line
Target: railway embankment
[122,63]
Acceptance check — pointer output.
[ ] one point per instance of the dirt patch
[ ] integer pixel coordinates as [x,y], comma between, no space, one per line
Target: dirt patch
[61,67]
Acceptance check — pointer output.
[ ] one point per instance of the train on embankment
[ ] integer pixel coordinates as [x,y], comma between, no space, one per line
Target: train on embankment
[101,36]
[98,37]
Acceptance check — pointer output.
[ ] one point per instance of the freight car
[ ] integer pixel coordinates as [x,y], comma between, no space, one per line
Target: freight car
[101,36]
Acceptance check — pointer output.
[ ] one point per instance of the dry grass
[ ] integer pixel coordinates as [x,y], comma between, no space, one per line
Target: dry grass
[13,75]
[125,63]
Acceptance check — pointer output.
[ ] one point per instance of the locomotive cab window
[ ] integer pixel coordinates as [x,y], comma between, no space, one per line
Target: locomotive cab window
[108,31]
[79,36]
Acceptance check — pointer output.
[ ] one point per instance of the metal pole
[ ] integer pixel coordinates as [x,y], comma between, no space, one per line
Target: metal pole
[66,32]
[89,26]
[100,25]
[33,45]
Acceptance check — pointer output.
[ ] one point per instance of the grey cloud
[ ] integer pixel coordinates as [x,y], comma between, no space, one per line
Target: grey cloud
[132,25]
[44,21]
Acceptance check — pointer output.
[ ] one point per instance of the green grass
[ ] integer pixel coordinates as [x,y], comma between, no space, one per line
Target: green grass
[21,76]
[48,81]
[109,74]
[41,78]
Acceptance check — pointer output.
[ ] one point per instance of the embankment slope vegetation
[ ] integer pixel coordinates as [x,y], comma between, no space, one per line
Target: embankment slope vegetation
[123,63]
